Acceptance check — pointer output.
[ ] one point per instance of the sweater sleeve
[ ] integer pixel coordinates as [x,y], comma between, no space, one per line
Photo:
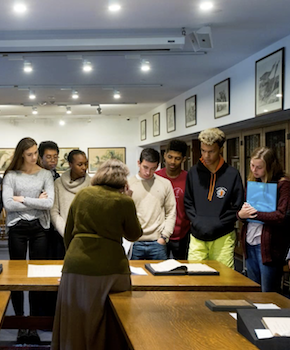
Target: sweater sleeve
[68,232]
[42,203]
[189,203]
[57,220]
[1,202]
[283,205]
[170,211]
[8,192]
[131,223]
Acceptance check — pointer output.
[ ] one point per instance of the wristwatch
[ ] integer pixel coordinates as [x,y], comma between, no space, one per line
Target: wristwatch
[166,239]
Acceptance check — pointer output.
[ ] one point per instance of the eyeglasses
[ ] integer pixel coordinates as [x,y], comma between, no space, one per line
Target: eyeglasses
[51,157]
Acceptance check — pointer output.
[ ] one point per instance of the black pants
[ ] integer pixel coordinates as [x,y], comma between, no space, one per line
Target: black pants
[21,236]
[178,249]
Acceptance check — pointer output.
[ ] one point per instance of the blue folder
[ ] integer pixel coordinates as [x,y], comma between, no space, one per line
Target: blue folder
[262,196]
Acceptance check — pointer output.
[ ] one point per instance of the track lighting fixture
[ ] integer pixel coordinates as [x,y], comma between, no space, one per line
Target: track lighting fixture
[32,94]
[75,94]
[87,66]
[145,66]
[34,110]
[68,110]
[27,67]
[99,110]
[117,94]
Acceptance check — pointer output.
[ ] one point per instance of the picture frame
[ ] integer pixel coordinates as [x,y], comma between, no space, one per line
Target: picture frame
[97,156]
[62,164]
[156,124]
[143,130]
[170,119]
[222,99]
[6,155]
[269,83]
[190,111]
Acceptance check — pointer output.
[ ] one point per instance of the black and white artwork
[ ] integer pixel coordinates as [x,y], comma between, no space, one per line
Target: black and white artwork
[170,118]
[269,83]
[156,124]
[190,111]
[222,99]
[143,130]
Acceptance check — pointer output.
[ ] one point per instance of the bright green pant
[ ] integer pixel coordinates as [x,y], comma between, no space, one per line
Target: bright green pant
[221,249]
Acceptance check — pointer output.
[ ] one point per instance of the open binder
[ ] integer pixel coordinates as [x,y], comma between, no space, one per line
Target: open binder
[174,267]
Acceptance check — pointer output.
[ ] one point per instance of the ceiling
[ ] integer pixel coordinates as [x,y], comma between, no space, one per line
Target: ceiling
[56,36]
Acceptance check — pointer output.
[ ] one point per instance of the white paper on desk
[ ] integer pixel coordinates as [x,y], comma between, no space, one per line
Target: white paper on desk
[234,315]
[138,271]
[128,247]
[44,270]
[266,306]
[263,333]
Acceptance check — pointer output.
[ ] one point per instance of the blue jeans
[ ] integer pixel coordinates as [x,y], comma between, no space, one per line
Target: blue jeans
[149,251]
[269,276]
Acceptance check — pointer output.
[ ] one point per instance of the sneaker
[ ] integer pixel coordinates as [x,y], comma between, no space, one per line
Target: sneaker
[33,337]
[22,336]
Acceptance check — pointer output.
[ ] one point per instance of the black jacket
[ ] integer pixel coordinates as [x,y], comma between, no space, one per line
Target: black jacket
[214,217]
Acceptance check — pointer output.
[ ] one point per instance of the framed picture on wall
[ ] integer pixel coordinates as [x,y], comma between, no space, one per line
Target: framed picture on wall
[190,111]
[156,124]
[270,83]
[170,119]
[6,155]
[222,99]
[143,130]
[62,164]
[97,156]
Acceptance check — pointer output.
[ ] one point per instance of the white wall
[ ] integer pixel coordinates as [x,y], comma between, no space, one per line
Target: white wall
[242,98]
[101,132]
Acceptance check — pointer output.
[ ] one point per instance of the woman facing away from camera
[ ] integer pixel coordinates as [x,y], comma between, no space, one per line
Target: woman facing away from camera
[265,242]
[28,195]
[95,263]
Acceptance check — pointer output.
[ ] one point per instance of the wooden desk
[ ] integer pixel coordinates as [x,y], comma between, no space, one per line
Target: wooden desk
[180,320]
[4,300]
[14,276]
[228,280]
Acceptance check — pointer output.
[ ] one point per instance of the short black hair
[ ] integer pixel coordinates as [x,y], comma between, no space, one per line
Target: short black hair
[177,146]
[74,152]
[47,145]
[150,155]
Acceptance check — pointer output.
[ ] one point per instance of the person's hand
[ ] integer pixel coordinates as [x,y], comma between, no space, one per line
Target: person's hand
[247,211]
[161,241]
[43,195]
[19,199]
[127,191]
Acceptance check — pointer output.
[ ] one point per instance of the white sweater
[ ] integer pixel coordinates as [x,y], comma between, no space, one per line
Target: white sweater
[156,207]
[64,192]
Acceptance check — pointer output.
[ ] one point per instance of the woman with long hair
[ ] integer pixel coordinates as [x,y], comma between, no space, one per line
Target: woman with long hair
[265,240]
[28,194]
[95,263]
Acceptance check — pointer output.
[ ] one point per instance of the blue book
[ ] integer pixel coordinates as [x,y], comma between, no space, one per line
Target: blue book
[262,196]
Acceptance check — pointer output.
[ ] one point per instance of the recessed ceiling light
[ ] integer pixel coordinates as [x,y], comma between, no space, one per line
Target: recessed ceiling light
[206,5]
[20,7]
[68,110]
[32,95]
[114,7]
[145,66]
[75,94]
[27,68]
[87,66]
[62,122]
[117,94]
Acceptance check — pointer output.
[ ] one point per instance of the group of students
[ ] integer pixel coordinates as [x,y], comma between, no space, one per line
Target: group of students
[168,213]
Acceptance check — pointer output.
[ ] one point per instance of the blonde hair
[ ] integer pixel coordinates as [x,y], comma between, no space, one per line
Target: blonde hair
[211,136]
[274,170]
[112,173]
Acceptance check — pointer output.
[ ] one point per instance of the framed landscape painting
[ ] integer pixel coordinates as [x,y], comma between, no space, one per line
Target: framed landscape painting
[270,83]
[156,124]
[190,111]
[143,130]
[6,155]
[170,119]
[97,156]
[222,99]
[63,164]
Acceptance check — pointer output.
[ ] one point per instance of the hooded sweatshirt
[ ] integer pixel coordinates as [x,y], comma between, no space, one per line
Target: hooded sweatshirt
[64,192]
[211,200]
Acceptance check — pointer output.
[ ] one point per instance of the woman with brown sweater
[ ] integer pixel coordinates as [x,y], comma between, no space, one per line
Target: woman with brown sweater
[95,262]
